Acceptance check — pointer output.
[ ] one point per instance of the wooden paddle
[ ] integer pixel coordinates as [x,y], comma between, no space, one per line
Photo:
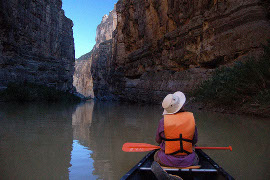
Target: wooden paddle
[142,147]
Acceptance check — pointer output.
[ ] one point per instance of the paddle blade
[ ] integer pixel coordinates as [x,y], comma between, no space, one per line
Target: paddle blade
[138,147]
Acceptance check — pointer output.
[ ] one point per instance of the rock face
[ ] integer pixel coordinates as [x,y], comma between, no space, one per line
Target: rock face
[162,46]
[36,43]
[106,27]
[106,80]
[82,78]
[97,63]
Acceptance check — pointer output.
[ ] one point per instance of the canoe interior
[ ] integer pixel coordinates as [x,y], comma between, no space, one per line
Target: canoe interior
[209,170]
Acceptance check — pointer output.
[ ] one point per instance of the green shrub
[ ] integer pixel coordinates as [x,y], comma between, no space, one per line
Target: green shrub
[240,84]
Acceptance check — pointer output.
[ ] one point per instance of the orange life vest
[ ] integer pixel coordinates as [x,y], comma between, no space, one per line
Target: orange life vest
[179,130]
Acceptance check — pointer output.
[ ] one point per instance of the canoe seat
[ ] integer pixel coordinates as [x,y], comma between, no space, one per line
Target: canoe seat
[189,167]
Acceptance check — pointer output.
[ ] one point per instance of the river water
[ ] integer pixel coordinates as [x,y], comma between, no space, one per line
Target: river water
[62,141]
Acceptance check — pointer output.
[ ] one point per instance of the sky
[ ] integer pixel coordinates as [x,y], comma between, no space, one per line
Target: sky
[86,16]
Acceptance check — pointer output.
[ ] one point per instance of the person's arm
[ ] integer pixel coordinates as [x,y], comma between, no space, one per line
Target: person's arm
[160,130]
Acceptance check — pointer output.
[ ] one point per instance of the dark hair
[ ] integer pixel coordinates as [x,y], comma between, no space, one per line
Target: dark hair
[181,110]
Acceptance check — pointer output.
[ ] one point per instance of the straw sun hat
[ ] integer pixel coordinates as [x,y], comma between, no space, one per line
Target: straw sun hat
[172,103]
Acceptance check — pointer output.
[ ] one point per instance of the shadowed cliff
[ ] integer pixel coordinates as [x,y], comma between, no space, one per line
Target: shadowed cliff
[36,44]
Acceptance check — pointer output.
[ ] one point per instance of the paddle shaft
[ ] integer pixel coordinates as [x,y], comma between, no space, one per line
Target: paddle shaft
[142,147]
[217,148]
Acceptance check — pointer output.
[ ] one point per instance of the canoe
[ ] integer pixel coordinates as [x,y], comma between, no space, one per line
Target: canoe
[209,169]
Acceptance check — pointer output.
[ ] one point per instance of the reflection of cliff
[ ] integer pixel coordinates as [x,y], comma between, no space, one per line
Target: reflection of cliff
[36,141]
[104,127]
[82,120]
[112,126]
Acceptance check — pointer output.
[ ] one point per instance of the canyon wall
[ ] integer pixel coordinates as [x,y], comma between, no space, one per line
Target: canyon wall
[106,27]
[36,44]
[161,46]
[82,78]
[97,63]
[150,48]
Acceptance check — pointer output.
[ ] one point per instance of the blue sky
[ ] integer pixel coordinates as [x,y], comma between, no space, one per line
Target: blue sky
[86,16]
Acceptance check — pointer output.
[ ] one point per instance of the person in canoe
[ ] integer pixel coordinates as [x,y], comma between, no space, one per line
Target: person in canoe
[176,134]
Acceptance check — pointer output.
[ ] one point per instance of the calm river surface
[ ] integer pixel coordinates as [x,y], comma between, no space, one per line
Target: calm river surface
[61,141]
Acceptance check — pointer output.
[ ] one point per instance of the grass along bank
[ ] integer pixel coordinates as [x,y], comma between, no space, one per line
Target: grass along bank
[245,87]
[25,92]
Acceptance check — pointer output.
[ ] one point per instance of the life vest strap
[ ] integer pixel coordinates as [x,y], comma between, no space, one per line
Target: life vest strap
[180,139]
[177,139]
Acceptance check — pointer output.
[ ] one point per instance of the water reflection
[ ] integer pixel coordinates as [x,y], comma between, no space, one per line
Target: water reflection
[82,165]
[36,141]
[249,137]
[111,125]
[81,121]
[57,141]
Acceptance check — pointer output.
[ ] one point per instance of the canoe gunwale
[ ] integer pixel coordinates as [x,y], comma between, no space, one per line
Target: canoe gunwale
[215,165]
[183,170]
[138,165]
[216,168]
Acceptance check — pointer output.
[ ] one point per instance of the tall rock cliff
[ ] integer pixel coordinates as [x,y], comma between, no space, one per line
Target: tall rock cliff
[162,46]
[82,78]
[106,27]
[97,63]
[36,43]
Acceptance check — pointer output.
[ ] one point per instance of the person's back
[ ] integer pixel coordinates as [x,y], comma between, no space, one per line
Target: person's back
[176,134]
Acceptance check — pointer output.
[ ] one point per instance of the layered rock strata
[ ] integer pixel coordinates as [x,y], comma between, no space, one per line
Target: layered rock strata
[36,44]
[107,82]
[106,27]
[82,78]
[97,63]
[162,46]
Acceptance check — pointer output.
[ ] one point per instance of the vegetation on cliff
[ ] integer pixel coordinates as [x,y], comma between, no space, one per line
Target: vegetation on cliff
[245,86]
[25,92]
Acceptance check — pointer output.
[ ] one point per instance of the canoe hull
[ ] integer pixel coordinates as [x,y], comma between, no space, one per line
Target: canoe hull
[209,170]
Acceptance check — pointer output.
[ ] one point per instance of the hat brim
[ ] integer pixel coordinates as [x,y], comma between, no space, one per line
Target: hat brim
[182,99]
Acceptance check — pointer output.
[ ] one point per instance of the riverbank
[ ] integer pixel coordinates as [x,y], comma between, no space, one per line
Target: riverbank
[241,88]
[252,110]
[29,92]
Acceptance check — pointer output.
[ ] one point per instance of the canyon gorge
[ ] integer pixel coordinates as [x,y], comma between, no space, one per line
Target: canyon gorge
[146,49]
